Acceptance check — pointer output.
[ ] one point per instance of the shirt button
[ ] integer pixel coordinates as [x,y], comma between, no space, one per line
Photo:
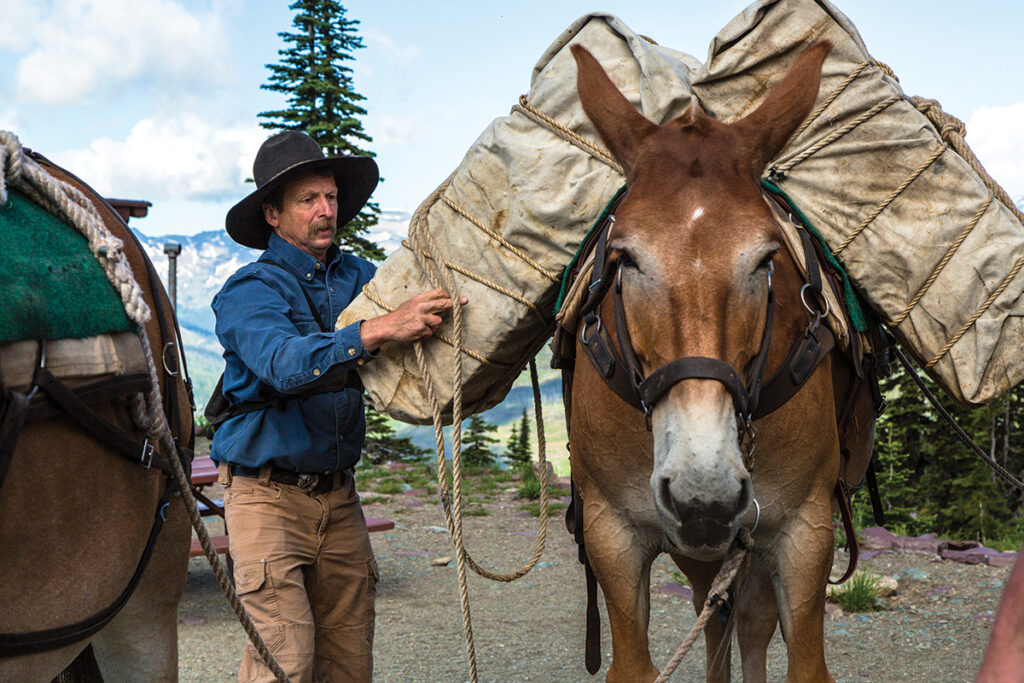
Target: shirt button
[309,275]
[360,362]
[316,372]
[351,351]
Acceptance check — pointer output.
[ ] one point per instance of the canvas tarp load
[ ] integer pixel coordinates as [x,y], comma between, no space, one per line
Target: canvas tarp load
[929,241]
[508,221]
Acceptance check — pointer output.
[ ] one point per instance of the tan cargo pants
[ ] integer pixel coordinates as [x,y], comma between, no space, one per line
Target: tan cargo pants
[305,571]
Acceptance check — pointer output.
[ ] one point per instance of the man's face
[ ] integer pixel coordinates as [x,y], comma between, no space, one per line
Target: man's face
[309,216]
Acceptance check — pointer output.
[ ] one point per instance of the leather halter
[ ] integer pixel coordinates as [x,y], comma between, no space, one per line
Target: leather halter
[753,399]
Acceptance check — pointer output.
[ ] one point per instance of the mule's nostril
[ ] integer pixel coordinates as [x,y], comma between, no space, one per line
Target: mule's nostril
[746,494]
[665,495]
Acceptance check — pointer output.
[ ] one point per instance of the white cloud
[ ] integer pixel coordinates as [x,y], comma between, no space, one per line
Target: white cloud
[391,49]
[9,120]
[179,156]
[996,134]
[388,130]
[81,48]
[18,18]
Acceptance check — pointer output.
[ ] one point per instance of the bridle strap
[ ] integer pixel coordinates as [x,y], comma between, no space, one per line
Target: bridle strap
[667,376]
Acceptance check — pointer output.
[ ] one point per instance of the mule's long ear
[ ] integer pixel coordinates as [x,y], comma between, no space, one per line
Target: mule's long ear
[769,127]
[617,121]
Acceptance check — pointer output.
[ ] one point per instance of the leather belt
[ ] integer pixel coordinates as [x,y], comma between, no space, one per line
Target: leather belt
[313,483]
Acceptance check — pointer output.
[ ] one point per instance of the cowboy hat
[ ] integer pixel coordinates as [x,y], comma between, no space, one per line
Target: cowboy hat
[280,156]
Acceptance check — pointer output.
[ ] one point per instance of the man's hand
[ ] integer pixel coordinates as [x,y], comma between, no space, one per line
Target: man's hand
[415,319]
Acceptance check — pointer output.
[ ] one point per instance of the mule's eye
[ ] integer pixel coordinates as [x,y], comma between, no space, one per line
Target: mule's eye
[767,260]
[625,258]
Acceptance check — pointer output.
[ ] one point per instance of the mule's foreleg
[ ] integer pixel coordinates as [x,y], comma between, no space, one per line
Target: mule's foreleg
[757,614]
[621,559]
[803,552]
[717,633]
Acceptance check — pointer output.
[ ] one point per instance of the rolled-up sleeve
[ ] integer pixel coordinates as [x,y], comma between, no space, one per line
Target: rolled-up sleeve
[255,321]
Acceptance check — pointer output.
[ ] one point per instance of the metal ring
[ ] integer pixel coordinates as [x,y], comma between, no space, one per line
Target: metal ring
[757,517]
[803,300]
[583,332]
[163,359]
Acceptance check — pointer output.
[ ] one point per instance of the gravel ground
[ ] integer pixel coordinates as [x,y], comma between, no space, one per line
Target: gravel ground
[935,627]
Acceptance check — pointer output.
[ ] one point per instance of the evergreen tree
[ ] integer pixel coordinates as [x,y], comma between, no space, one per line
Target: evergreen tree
[477,439]
[517,451]
[512,445]
[524,437]
[322,100]
[382,444]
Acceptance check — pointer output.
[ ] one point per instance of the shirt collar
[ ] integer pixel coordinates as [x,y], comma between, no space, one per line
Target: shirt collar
[301,262]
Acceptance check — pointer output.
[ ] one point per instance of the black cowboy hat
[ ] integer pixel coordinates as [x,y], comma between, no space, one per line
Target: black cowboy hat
[283,154]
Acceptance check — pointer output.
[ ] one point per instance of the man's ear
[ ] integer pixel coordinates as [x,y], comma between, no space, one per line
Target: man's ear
[270,215]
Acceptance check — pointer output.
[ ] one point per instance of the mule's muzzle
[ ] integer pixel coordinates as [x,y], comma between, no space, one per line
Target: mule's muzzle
[700,527]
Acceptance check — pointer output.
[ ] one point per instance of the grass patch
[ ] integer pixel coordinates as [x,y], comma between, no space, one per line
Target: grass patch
[534,508]
[476,511]
[678,577]
[859,594]
[388,486]
[370,500]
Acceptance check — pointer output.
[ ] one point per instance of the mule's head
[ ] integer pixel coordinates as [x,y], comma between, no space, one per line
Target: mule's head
[695,241]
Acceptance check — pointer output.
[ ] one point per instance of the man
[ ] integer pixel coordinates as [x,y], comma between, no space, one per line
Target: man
[303,565]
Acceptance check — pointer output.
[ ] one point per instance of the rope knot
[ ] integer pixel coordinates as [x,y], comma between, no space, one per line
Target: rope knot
[11,157]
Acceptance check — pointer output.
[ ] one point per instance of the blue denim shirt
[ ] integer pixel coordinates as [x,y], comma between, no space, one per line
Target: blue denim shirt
[272,341]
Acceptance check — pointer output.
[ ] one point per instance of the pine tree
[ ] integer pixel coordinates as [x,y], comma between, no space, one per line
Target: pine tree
[477,439]
[382,444]
[517,450]
[322,100]
[524,436]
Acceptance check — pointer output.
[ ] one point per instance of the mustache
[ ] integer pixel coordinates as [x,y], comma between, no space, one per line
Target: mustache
[325,223]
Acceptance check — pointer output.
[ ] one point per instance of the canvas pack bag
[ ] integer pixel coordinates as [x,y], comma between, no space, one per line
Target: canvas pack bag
[508,221]
[931,243]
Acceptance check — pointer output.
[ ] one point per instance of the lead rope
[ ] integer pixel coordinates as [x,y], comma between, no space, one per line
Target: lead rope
[719,587]
[63,199]
[452,499]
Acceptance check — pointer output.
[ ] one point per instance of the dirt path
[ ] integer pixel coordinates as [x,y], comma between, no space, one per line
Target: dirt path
[935,629]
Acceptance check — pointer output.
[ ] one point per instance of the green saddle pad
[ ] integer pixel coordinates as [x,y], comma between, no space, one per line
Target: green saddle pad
[53,286]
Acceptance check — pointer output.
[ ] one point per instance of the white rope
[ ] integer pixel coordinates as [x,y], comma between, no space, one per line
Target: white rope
[25,174]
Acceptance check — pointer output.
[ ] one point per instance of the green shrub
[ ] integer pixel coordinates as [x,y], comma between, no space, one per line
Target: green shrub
[859,594]
[529,489]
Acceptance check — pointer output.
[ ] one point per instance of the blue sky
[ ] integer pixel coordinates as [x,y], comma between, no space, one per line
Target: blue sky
[157,99]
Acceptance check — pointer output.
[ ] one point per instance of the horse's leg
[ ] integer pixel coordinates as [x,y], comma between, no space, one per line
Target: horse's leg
[756,617]
[717,633]
[140,643]
[621,560]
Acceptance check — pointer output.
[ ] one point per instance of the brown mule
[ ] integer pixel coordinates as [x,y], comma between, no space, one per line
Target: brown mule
[698,247]
[75,517]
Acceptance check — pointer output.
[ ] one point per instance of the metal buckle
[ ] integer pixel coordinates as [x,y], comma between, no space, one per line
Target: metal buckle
[307,481]
[146,458]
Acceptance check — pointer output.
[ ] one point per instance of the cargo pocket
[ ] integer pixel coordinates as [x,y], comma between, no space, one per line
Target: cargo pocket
[256,591]
[372,576]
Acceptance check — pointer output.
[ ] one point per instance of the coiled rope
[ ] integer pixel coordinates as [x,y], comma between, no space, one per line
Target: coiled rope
[440,273]
[65,200]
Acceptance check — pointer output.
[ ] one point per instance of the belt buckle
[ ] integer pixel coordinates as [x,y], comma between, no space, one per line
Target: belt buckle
[307,481]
